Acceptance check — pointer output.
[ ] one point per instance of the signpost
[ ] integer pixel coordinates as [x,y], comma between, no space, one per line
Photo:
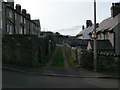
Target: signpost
[94,35]
[95,41]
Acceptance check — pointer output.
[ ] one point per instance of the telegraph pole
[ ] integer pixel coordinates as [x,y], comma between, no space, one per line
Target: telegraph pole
[95,41]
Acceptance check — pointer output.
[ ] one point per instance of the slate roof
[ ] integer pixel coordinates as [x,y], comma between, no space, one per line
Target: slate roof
[102,45]
[109,23]
[77,42]
[86,31]
[37,22]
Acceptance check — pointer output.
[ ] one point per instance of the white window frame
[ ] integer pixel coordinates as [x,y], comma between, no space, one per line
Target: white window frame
[8,28]
[11,29]
[24,21]
[21,19]
[10,14]
[21,30]
[1,24]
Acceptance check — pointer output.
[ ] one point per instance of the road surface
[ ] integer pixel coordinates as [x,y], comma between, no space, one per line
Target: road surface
[13,79]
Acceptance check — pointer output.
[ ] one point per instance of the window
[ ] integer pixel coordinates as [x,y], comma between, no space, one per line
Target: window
[8,28]
[102,36]
[0,6]
[32,30]
[21,19]
[24,21]
[11,30]
[106,35]
[99,36]
[16,30]
[10,14]
[25,32]
[21,30]
[15,16]
[1,24]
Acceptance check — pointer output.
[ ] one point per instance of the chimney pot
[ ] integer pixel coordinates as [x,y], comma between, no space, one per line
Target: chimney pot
[83,27]
[88,23]
[18,7]
[24,11]
[29,16]
[115,9]
[97,25]
[10,3]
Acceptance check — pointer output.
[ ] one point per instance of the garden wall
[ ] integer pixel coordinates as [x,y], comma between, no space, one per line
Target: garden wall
[106,62]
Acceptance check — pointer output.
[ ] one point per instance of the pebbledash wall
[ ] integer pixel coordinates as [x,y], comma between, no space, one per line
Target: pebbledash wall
[105,62]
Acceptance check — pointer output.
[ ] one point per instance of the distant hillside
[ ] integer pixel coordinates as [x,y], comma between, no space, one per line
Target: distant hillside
[73,31]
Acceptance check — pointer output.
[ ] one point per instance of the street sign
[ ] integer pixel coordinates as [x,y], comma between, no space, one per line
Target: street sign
[94,35]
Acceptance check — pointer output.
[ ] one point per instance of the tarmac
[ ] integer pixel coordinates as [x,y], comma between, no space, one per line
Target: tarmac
[57,71]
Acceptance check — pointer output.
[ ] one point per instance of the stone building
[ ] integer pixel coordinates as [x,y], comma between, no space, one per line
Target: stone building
[20,35]
[17,20]
[1,14]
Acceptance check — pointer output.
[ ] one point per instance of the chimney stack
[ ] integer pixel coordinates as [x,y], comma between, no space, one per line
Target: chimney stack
[88,23]
[24,11]
[18,7]
[97,25]
[10,3]
[83,27]
[29,16]
[115,9]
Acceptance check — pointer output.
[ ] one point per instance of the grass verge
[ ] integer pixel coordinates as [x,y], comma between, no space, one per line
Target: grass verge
[58,58]
[70,59]
[46,59]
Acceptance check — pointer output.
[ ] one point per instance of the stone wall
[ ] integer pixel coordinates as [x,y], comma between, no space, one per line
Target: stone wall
[108,63]
[105,62]
[20,49]
[26,50]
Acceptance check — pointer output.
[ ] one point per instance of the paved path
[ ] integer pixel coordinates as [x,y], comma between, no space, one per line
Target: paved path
[49,64]
[65,61]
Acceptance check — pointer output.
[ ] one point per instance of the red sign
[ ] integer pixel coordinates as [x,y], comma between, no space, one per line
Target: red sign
[94,35]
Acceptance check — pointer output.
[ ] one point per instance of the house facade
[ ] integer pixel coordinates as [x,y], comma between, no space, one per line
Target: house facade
[20,35]
[1,15]
[109,29]
[17,20]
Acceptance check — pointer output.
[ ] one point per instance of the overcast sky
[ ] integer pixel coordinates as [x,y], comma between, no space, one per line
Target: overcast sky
[65,16]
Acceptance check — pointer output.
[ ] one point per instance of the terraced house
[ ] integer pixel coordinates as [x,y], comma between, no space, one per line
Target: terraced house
[20,35]
[1,15]
[17,20]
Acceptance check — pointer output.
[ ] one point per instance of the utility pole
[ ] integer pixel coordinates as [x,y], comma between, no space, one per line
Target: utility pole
[95,41]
